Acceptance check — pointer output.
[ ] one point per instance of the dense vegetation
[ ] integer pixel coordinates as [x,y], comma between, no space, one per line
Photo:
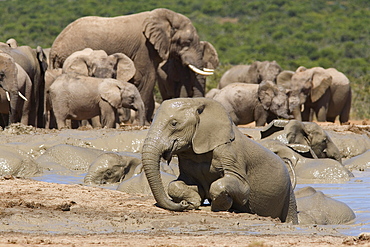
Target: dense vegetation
[308,32]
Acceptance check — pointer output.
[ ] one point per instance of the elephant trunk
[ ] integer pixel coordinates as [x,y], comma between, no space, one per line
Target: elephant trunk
[151,162]
[140,116]
[13,111]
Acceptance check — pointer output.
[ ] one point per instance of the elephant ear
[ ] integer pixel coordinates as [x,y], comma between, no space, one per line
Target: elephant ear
[109,90]
[253,73]
[157,29]
[210,56]
[284,79]
[321,81]
[125,67]
[266,92]
[214,128]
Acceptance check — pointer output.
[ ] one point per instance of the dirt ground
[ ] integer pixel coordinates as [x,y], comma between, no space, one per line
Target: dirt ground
[34,213]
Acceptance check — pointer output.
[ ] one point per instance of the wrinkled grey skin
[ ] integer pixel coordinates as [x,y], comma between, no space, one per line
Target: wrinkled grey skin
[177,80]
[139,183]
[360,162]
[16,163]
[80,97]
[111,168]
[306,166]
[261,103]
[254,73]
[147,38]
[217,162]
[34,62]
[15,81]
[350,144]
[314,207]
[306,133]
[326,92]
[62,157]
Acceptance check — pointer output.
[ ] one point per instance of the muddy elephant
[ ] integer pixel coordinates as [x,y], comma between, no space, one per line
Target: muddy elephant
[80,97]
[314,207]
[147,38]
[306,133]
[110,167]
[177,80]
[360,162]
[216,161]
[306,166]
[16,163]
[34,62]
[261,103]
[324,92]
[253,73]
[15,91]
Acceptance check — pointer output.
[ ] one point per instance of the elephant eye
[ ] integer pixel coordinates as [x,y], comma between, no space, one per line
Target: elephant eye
[173,123]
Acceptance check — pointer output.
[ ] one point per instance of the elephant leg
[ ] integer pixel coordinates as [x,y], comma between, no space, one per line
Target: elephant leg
[344,115]
[229,192]
[179,191]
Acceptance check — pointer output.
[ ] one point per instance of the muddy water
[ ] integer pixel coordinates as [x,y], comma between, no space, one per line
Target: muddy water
[355,193]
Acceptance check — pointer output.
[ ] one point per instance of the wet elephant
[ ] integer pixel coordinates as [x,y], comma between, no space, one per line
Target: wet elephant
[216,161]
[314,207]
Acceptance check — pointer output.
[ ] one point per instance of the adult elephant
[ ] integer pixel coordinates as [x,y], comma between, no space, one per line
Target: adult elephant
[33,61]
[261,103]
[15,91]
[326,92]
[147,38]
[306,133]
[177,80]
[253,73]
[216,161]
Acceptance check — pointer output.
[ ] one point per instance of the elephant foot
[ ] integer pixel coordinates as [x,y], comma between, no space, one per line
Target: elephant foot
[182,193]
[222,202]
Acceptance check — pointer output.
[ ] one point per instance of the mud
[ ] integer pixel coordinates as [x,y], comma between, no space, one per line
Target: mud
[65,212]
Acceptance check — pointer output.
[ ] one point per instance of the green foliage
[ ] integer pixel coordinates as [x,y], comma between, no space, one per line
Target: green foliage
[308,32]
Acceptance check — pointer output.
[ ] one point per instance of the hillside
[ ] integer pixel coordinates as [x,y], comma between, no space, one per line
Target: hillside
[309,32]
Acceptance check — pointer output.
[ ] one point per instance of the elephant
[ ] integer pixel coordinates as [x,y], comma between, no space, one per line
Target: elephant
[80,97]
[254,73]
[97,63]
[176,79]
[306,133]
[93,63]
[305,163]
[17,163]
[15,91]
[147,38]
[325,92]
[360,162]
[62,158]
[216,162]
[350,144]
[110,167]
[261,103]
[314,207]
[34,62]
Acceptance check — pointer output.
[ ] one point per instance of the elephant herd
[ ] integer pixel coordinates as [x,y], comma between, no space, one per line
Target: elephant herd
[264,91]
[98,69]
[141,49]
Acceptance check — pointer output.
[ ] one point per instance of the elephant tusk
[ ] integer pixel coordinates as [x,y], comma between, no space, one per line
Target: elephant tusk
[208,70]
[198,71]
[22,96]
[302,107]
[7,95]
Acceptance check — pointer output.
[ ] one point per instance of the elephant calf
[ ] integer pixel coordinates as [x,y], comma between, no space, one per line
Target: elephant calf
[80,97]
[216,162]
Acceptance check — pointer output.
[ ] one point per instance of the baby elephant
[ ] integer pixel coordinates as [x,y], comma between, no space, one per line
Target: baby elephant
[80,97]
